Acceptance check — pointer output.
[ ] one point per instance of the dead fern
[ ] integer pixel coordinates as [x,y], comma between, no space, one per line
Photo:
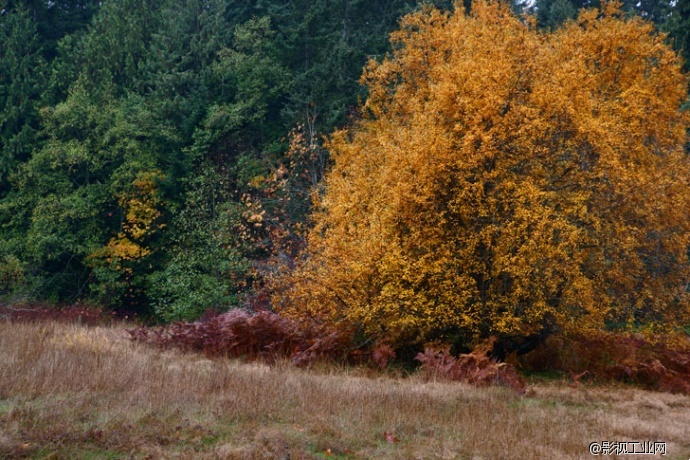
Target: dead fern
[260,336]
[475,368]
[661,365]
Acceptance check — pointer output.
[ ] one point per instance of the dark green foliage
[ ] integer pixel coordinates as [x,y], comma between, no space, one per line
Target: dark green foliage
[65,201]
[11,275]
[327,43]
[552,13]
[656,11]
[559,11]
[204,268]
[678,27]
[22,75]
[55,19]
[246,87]
[115,48]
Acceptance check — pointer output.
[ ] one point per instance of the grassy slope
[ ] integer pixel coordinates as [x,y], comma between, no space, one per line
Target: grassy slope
[80,392]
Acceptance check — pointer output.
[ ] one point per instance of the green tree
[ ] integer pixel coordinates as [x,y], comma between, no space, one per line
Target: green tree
[552,13]
[22,77]
[326,43]
[656,11]
[678,27]
[113,50]
[182,51]
[204,266]
[55,19]
[246,85]
[65,202]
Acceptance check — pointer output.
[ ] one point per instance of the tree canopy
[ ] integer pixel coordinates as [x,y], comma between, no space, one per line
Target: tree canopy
[506,181]
[156,156]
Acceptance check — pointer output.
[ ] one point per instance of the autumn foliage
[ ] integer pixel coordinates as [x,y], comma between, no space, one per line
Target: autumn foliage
[264,336]
[475,368]
[623,357]
[505,182]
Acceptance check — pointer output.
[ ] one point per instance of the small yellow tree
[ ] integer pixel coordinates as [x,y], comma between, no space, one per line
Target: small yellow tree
[118,262]
[506,182]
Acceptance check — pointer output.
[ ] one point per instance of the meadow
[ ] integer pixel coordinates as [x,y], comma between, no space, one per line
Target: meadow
[75,391]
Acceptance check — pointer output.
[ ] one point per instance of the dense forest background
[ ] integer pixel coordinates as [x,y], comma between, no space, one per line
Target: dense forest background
[159,156]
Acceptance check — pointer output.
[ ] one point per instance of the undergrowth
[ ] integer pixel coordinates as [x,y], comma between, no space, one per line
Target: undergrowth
[78,313]
[618,357]
[266,336]
[475,368]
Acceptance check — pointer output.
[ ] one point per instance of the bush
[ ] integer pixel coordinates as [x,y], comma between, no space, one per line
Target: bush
[205,267]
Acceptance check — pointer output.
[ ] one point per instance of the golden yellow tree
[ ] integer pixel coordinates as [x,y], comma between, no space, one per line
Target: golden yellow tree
[506,182]
[118,262]
[141,220]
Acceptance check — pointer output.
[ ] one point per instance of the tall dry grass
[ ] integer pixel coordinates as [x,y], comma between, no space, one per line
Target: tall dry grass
[70,391]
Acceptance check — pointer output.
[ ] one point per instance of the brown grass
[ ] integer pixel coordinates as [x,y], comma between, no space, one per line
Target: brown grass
[70,391]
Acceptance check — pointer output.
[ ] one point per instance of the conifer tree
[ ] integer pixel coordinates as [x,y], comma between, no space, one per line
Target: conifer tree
[22,77]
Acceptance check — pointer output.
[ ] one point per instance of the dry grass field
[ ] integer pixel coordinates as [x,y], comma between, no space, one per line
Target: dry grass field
[71,392]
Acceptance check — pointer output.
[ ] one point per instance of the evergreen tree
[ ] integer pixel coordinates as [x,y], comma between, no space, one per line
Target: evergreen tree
[74,197]
[678,27]
[552,13]
[22,78]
